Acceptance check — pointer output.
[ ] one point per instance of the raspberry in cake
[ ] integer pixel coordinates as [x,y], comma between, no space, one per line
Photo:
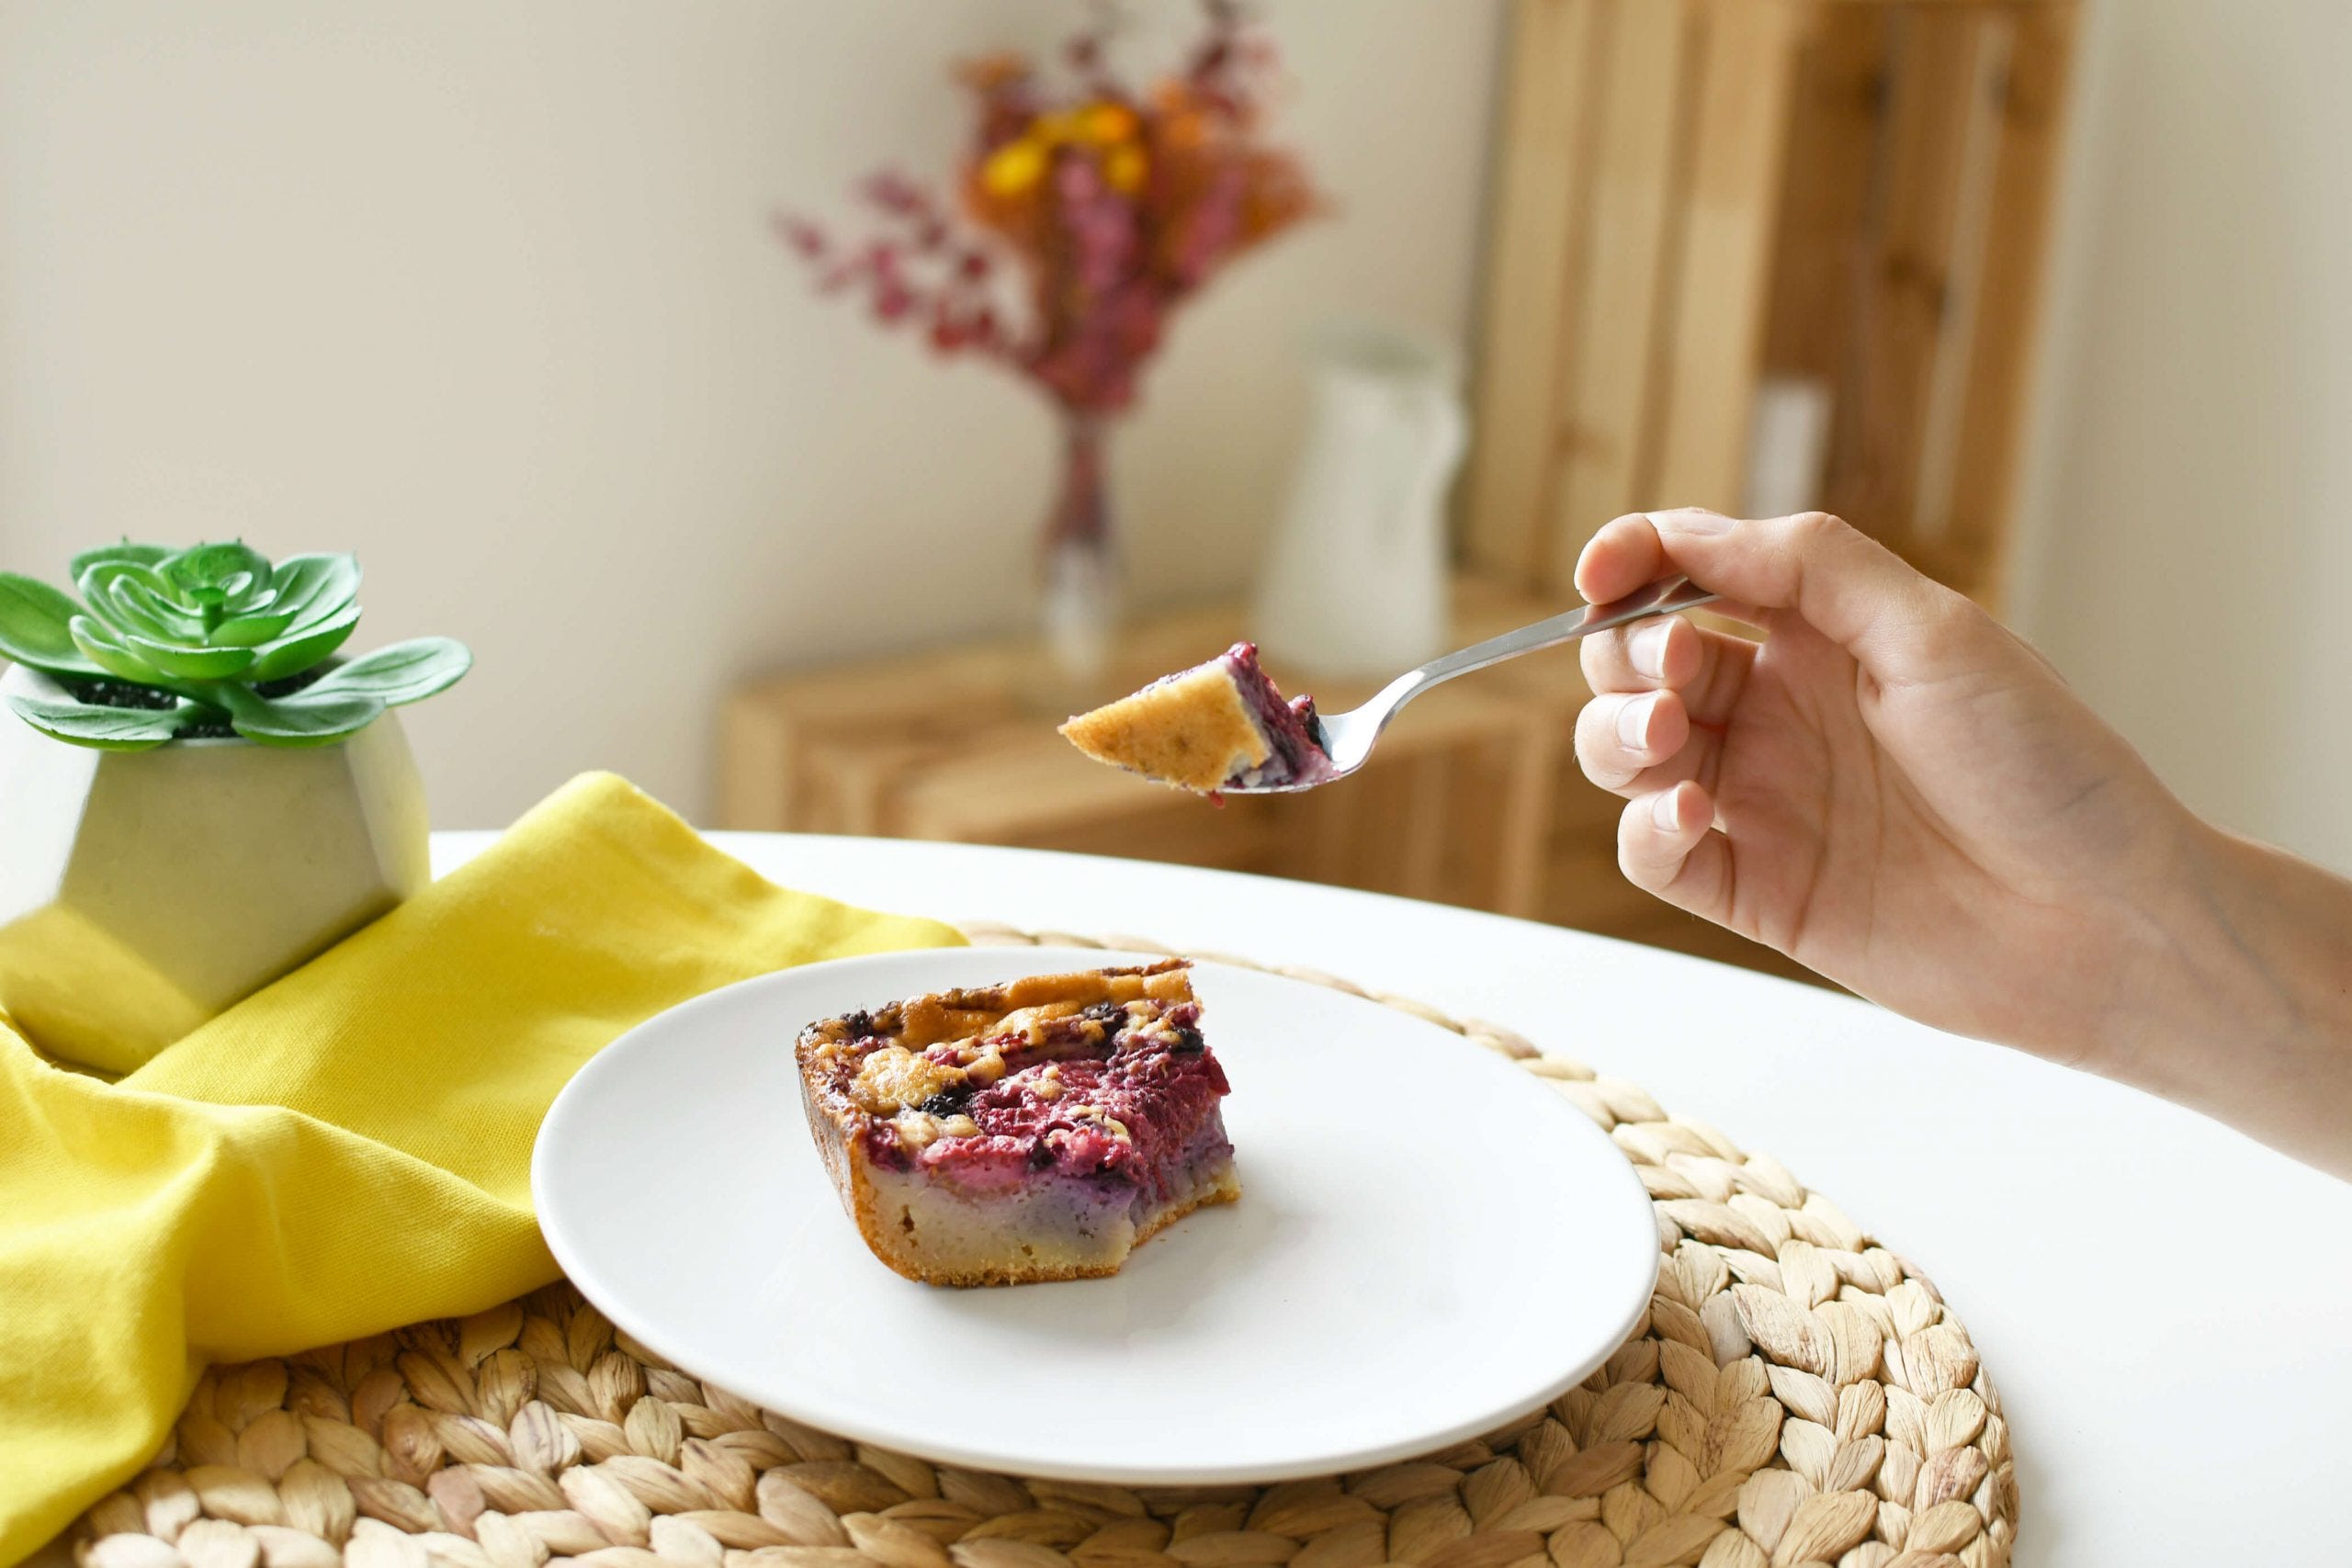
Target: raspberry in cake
[1039,1129]
[1222,725]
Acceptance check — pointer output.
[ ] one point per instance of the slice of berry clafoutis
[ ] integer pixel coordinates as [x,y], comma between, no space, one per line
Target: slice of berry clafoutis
[1218,725]
[1038,1130]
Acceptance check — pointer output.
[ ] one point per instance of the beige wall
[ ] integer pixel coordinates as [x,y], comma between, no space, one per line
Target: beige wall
[485,291]
[2190,515]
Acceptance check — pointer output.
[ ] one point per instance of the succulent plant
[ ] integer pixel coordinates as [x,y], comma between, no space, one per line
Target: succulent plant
[210,641]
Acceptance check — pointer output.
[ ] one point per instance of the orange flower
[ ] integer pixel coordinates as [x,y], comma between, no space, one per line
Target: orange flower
[1106,123]
[1124,168]
[1013,169]
[1181,121]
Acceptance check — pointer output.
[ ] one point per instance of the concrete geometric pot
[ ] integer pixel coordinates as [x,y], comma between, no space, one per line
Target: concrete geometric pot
[142,892]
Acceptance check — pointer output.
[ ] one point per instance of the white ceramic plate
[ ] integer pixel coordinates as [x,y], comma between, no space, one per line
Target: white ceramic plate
[1430,1242]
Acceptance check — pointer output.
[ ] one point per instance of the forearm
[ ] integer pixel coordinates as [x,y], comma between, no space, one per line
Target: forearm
[2247,1012]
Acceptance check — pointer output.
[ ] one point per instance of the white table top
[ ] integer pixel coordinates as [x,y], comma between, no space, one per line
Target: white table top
[2163,1302]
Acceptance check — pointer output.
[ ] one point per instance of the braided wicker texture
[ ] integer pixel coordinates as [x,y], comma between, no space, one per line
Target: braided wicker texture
[1796,1396]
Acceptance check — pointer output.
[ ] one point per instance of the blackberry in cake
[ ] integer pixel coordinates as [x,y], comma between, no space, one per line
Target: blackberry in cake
[1218,725]
[1039,1129]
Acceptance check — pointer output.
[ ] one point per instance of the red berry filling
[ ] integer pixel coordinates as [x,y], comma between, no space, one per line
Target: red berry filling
[1291,727]
[1092,1099]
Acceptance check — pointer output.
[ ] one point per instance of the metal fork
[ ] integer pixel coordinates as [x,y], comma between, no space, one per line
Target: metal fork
[1349,737]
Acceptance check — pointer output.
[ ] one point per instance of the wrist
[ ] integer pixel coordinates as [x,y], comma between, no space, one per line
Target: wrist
[2242,994]
[2149,964]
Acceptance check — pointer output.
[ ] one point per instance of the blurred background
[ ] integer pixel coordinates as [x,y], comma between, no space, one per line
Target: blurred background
[2048,295]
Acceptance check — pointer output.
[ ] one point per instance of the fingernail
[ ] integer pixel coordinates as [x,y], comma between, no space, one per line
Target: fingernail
[1633,722]
[1646,649]
[1692,521]
[1665,810]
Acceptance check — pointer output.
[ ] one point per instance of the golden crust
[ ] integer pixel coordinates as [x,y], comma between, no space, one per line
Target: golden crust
[976,1009]
[1193,731]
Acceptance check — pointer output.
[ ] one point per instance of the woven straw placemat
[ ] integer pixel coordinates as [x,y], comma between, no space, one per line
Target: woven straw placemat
[1797,1394]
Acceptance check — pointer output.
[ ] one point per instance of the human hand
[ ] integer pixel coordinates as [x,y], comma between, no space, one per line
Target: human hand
[1890,787]
[1894,791]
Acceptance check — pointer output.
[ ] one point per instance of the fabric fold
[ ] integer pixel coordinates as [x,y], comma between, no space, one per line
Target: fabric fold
[349,1150]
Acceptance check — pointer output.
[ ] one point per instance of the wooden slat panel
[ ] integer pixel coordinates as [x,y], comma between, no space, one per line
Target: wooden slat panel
[1836,111]
[1180,832]
[1992,423]
[1531,241]
[1991,45]
[1714,333]
[1679,932]
[1605,398]
[1905,289]
[1589,893]
[1528,789]
[1431,805]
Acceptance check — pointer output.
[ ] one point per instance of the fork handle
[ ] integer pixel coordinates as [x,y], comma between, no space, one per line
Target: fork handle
[1661,598]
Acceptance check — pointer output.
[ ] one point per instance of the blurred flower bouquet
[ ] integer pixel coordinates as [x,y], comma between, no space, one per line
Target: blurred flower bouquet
[1113,208]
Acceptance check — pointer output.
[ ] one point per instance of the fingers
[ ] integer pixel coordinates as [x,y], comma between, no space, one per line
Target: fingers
[1623,556]
[1708,667]
[1667,845]
[1853,589]
[1620,736]
[1665,650]
[1637,744]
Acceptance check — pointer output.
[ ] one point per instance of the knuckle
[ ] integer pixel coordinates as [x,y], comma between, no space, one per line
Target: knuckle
[1950,624]
[1822,528]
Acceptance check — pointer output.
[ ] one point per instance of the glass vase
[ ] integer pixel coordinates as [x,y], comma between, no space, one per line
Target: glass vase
[1080,597]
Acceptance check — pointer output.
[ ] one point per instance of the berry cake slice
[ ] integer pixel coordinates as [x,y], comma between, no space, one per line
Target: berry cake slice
[1040,1130]
[1222,725]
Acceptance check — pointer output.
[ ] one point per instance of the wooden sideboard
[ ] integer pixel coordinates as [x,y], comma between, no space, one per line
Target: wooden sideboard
[1474,798]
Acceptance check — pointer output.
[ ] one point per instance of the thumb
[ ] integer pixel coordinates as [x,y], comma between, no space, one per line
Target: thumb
[1846,585]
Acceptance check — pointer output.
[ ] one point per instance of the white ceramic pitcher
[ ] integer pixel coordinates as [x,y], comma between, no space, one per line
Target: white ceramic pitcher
[1356,581]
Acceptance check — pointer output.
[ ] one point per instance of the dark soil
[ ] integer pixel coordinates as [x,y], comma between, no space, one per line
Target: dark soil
[131,695]
[120,694]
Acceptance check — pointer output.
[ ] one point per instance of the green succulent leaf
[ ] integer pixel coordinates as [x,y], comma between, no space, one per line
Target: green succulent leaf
[36,627]
[305,646]
[176,624]
[131,597]
[251,630]
[302,719]
[209,576]
[256,593]
[112,656]
[314,588]
[145,555]
[101,729]
[191,663]
[404,672]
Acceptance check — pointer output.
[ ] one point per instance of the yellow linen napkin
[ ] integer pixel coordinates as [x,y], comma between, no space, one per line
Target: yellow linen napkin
[349,1149]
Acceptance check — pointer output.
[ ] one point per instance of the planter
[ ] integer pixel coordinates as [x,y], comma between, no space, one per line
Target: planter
[142,892]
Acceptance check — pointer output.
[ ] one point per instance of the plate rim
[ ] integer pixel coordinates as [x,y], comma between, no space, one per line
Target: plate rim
[1351,1462]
